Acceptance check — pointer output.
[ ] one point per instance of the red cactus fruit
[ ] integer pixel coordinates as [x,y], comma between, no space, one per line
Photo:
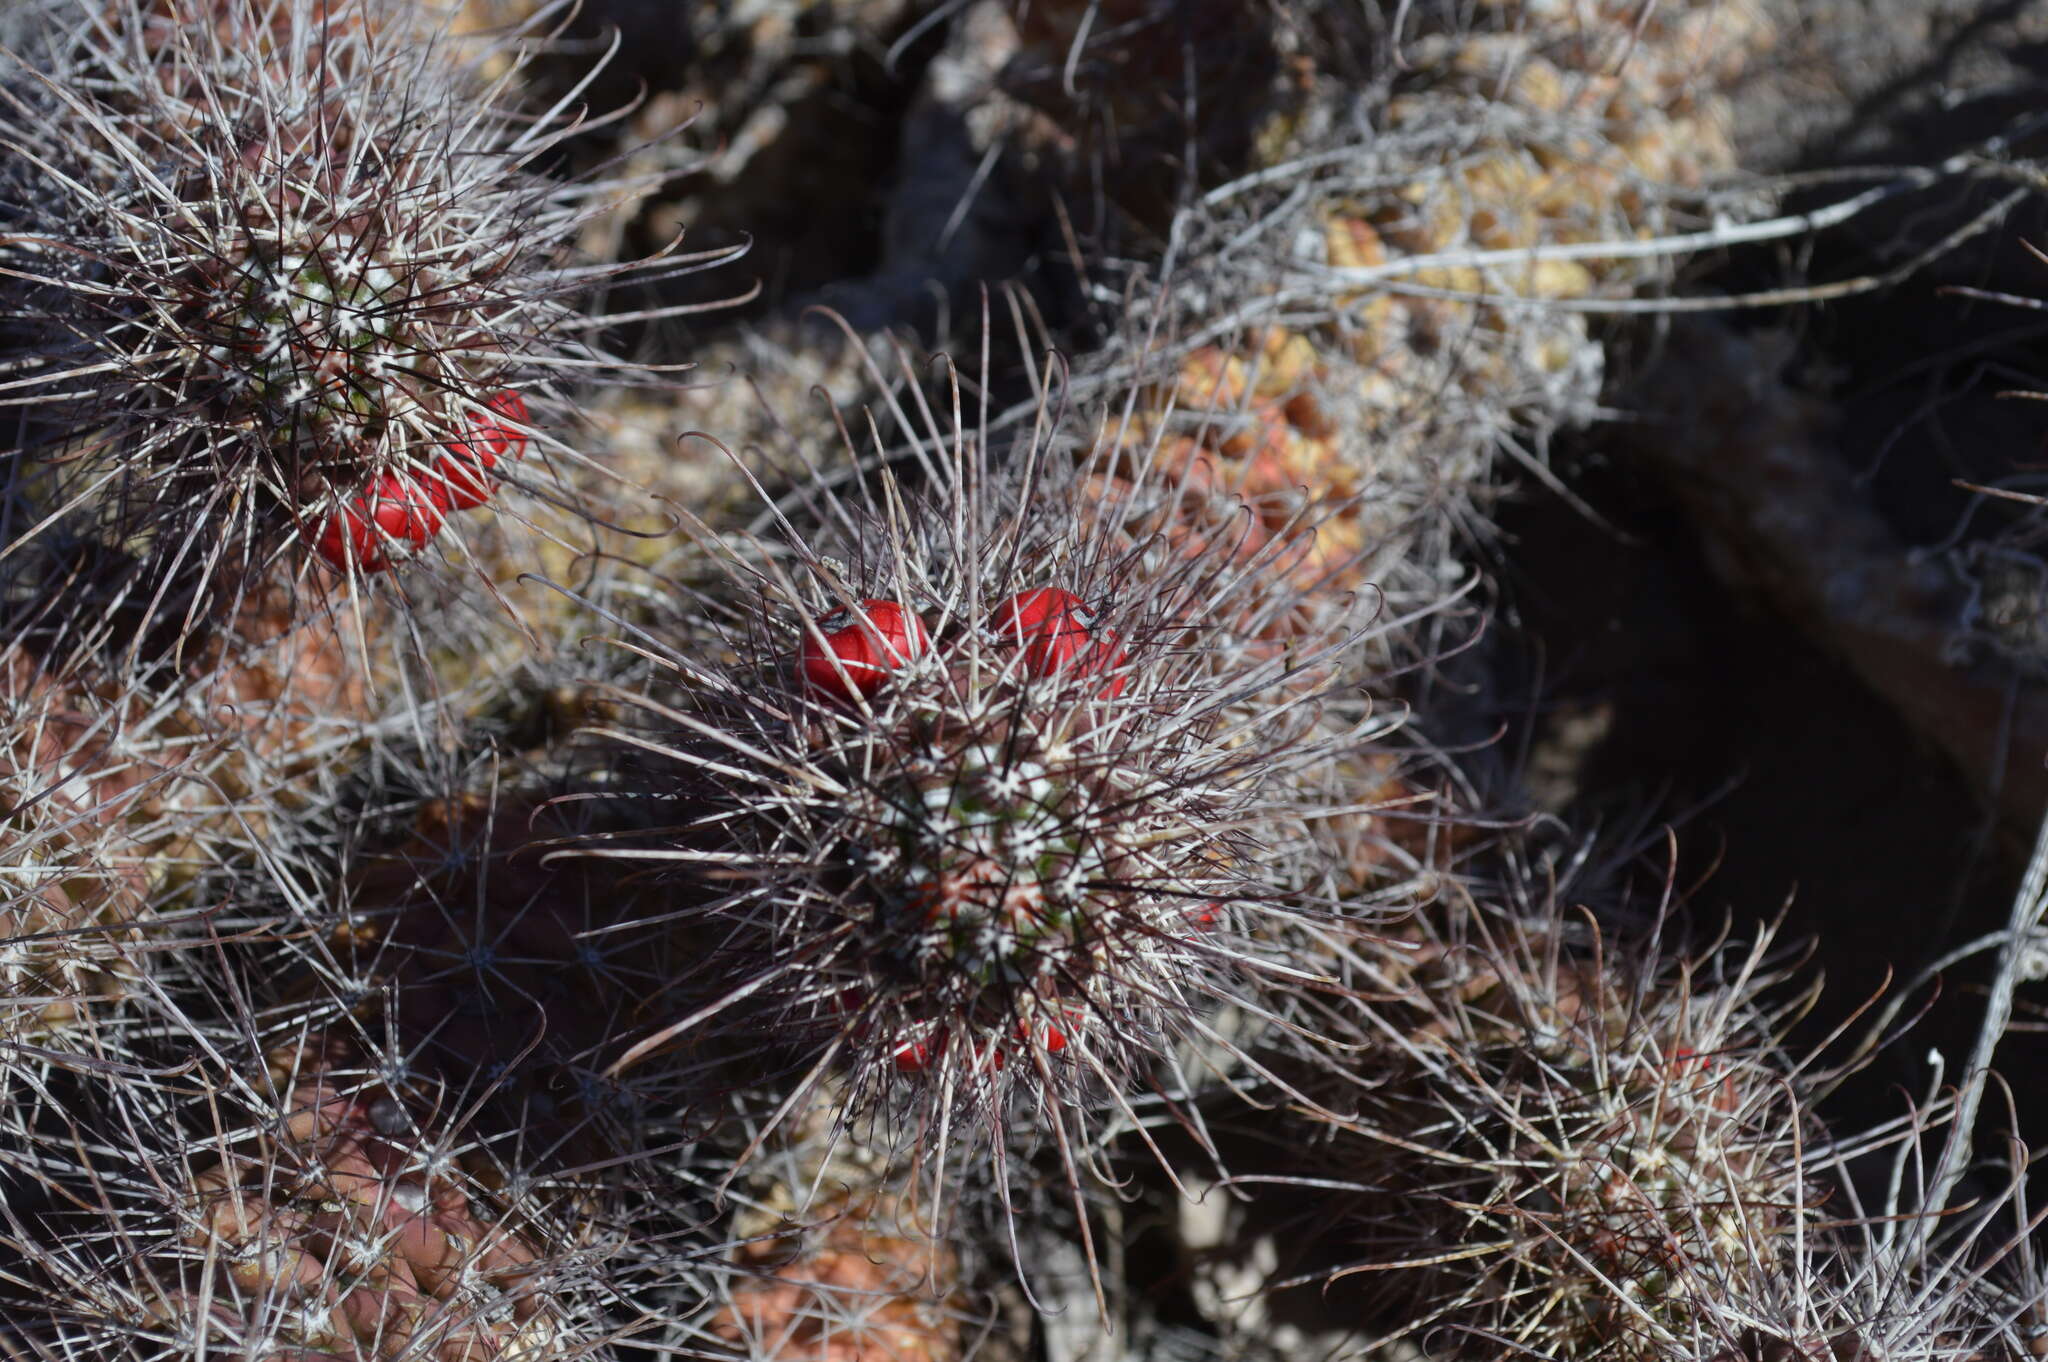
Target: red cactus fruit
[1059,633]
[913,1055]
[393,510]
[1108,655]
[1054,1039]
[867,644]
[457,481]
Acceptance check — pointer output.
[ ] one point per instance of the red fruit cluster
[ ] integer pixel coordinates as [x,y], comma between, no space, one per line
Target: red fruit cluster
[393,510]
[402,511]
[913,1055]
[858,648]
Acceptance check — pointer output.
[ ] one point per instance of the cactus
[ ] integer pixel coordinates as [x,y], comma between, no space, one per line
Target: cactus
[286,304]
[843,1275]
[70,900]
[505,980]
[296,1210]
[1574,1148]
[97,834]
[984,794]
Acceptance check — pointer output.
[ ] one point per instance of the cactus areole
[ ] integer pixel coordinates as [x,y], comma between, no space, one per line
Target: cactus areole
[995,864]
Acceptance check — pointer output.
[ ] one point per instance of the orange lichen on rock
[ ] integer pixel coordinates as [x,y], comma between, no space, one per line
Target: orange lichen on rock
[1411,335]
[1261,465]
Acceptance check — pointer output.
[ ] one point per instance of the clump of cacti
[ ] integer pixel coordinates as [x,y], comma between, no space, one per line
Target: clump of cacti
[986,808]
